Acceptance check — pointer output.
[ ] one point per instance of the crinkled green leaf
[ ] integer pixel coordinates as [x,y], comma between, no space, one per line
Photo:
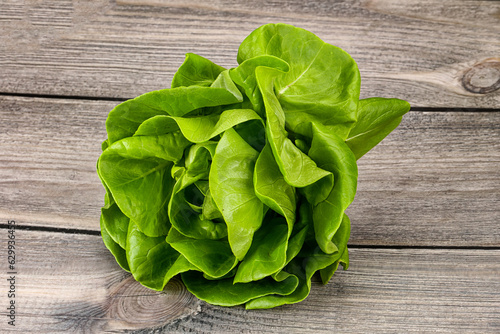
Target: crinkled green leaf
[196,71]
[298,169]
[197,129]
[124,120]
[183,216]
[113,220]
[210,210]
[116,224]
[271,187]
[244,75]
[267,254]
[213,257]
[201,129]
[310,260]
[225,82]
[327,273]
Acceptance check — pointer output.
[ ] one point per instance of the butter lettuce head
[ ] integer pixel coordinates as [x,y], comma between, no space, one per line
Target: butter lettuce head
[238,179]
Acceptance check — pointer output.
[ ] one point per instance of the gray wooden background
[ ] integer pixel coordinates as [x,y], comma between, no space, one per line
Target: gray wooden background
[425,242]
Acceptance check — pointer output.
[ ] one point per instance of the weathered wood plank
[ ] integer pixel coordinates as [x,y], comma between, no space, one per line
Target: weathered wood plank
[431,53]
[48,154]
[434,181]
[67,282]
[71,283]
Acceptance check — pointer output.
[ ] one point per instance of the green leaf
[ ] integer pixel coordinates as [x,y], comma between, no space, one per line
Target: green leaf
[124,120]
[297,168]
[224,293]
[377,117]
[244,75]
[213,257]
[153,262]
[322,84]
[310,260]
[201,129]
[112,219]
[183,216]
[197,129]
[224,81]
[137,172]
[332,154]
[271,187]
[231,186]
[267,255]
[196,71]
[210,210]
[187,220]
[327,273]
[157,126]
[115,222]
[253,132]
[115,248]
[297,239]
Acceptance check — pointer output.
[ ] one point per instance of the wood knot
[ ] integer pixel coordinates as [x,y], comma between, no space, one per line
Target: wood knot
[132,306]
[483,77]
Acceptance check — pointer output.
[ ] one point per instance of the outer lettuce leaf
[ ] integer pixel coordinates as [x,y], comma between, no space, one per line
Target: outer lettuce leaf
[137,172]
[332,154]
[115,248]
[267,255]
[226,293]
[309,261]
[153,262]
[113,221]
[377,117]
[124,120]
[213,257]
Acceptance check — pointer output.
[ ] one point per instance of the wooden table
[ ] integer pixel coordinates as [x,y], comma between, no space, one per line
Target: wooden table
[425,242]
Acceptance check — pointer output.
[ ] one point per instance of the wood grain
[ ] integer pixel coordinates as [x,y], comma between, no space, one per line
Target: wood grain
[433,181]
[384,291]
[432,53]
[70,283]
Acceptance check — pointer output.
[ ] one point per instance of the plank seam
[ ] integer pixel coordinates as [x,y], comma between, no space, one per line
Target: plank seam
[122,99]
[351,246]
[64,97]
[52,229]
[429,247]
